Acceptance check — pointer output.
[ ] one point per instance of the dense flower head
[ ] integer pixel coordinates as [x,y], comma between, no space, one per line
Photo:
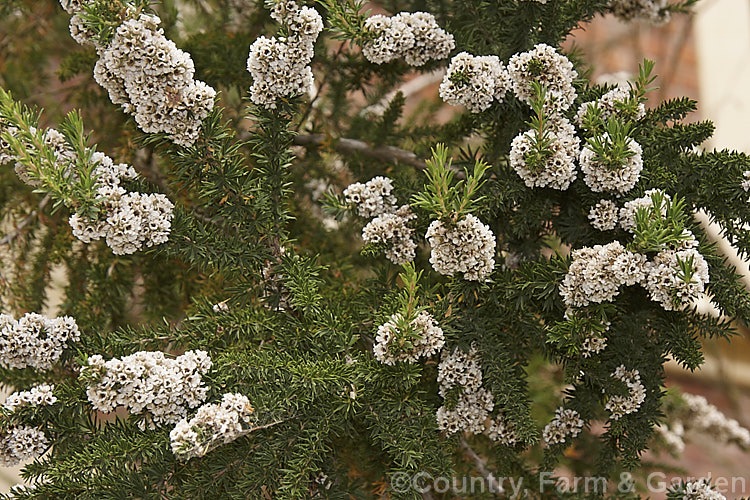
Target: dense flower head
[424,339]
[212,426]
[39,395]
[543,64]
[655,12]
[152,80]
[550,166]
[416,37]
[128,221]
[372,198]
[466,247]
[392,37]
[459,369]
[474,82]
[567,423]
[600,176]
[604,215]
[35,341]
[468,414]
[467,404]
[668,285]
[280,66]
[619,406]
[394,231]
[148,383]
[608,105]
[21,443]
[596,273]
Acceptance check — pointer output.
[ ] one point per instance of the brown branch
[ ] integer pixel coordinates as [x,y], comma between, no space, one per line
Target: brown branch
[492,483]
[344,145]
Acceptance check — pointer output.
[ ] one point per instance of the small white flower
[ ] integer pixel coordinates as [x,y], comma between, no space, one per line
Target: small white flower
[543,64]
[35,341]
[212,426]
[474,82]
[567,423]
[427,340]
[468,247]
[149,383]
[604,215]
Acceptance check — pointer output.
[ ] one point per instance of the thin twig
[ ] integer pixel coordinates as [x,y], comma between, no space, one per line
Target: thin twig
[494,486]
[345,145]
[8,238]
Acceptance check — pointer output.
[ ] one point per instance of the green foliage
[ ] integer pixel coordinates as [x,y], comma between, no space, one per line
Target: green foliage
[444,199]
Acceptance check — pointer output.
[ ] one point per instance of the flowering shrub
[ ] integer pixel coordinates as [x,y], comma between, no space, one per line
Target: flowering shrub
[280,272]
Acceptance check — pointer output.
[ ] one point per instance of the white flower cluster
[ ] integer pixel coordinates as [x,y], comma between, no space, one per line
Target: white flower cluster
[372,198]
[700,490]
[596,273]
[558,169]
[35,341]
[212,426]
[280,66]
[21,443]
[150,384]
[416,37]
[393,230]
[78,30]
[153,80]
[145,73]
[39,395]
[462,373]
[467,247]
[566,423]
[699,416]
[600,176]
[604,215]
[619,406]
[674,278]
[502,431]
[474,82]
[426,339]
[543,64]
[593,344]
[707,418]
[607,105]
[667,283]
[652,11]
[391,226]
[128,221]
